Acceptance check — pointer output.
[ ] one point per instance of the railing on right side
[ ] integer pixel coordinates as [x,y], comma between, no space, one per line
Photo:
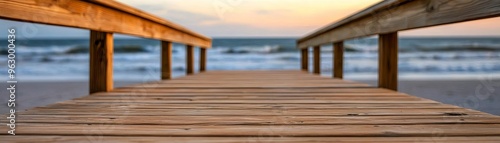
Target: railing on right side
[386,19]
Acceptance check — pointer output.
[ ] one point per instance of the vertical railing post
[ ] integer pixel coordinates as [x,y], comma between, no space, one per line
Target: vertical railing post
[189,59]
[203,59]
[101,62]
[305,59]
[388,61]
[166,60]
[338,59]
[317,59]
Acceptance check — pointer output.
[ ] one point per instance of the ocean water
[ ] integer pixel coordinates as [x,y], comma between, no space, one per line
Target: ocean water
[139,59]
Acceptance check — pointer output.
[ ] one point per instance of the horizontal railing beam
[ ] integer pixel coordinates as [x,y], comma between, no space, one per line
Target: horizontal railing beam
[104,16]
[397,15]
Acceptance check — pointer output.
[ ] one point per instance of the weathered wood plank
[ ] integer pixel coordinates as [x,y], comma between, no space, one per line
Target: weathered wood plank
[257,90]
[398,15]
[256,101]
[403,98]
[133,105]
[270,130]
[246,94]
[257,120]
[263,138]
[101,62]
[106,16]
[254,85]
[257,112]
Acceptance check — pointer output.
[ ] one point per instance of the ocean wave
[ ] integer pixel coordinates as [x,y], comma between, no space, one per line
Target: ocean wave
[262,49]
[265,49]
[69,50]
[289,58]
[118,49]
[268,49]
[451,48]
[425,48]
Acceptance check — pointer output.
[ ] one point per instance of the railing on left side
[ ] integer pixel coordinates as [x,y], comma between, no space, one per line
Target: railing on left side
[103,18]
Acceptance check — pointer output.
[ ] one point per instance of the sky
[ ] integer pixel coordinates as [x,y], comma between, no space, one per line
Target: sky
[261,18]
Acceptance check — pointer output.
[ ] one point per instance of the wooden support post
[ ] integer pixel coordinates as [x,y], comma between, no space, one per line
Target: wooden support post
[166,60]
[305,59]
[317,60]
[203,59]
[388,61]
[101,62]
[338,59]
[189,59]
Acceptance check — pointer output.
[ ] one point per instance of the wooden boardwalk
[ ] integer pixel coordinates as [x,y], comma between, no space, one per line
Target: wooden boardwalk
[248,106]
[253,106]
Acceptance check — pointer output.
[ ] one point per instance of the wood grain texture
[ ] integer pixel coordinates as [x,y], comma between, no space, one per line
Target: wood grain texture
[398,15]
[388,61]
[203,60]
[262,138]
[101,62]
[101,15]
[166,60]
[317,59]
[252,106]
[338,60]
[304,56]
[271,130]
[189,59]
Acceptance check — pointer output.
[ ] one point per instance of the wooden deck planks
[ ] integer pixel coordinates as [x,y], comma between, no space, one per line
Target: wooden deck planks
[136,139]
[253,106]
[258,120]
[256,130]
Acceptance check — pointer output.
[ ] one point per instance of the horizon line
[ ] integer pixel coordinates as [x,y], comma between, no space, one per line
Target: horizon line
[277,37]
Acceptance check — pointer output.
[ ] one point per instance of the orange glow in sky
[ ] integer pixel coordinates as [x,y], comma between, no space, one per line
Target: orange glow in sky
[267,18]
[282,18]
[289,18]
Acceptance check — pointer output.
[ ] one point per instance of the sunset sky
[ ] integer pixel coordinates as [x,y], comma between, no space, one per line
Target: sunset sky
[264,18]
[252,17]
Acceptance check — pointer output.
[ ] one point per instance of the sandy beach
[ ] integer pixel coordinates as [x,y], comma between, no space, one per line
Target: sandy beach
[456,92]
[473,94]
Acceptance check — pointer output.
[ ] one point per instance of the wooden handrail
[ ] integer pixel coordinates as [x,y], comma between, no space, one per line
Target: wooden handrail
[398,15]
[100,15]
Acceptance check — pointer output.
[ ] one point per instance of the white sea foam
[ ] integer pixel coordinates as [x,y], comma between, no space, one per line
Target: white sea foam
[444,58]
